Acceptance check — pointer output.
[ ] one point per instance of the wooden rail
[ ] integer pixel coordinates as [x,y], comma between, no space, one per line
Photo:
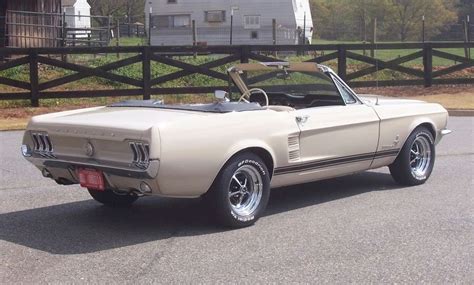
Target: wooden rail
[34,90]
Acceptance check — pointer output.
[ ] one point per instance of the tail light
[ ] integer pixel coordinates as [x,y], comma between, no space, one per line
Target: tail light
[141,154]
[43,145]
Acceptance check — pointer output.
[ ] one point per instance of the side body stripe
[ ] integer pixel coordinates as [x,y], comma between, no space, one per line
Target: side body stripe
[319,164]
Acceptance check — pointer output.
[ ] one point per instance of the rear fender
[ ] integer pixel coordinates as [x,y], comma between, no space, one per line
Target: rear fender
[246,145]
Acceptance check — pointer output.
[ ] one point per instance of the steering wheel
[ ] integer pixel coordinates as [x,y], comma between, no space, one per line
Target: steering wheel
[249,92]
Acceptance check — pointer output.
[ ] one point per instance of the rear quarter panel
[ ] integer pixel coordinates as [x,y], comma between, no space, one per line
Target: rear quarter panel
[194,151]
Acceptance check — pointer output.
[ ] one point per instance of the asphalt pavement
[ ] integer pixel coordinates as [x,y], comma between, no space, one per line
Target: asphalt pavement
[362,228]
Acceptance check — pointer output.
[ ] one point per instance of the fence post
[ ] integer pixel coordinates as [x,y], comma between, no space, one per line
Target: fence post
[244,58]
[146,69]
[342,62]
[428,64]
[34,80]
[244,54]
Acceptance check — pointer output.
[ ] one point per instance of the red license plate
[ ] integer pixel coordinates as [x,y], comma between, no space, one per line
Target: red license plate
[92,179]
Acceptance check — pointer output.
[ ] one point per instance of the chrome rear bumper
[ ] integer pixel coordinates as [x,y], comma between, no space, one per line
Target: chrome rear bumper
[118,178]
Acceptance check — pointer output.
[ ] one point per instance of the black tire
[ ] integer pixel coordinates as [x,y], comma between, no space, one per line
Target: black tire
[111,199]
[404,171]
[224,196]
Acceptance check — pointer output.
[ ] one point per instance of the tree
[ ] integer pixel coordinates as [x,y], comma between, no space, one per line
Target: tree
[128,10]
[365,12]
[328,21]
[466,7]
[397,19]
[405,17]
[347,19]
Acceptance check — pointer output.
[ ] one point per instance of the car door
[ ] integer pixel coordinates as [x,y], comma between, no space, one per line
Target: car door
[337,140]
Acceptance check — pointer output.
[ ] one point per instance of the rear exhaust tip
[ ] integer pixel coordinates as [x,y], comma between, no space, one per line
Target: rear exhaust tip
[145,188]
[46,173]
[64,181]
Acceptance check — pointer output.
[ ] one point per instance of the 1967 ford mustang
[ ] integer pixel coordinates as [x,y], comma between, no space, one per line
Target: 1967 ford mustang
[301,124]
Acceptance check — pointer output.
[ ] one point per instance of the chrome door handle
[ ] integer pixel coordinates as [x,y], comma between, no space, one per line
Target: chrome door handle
[302,119]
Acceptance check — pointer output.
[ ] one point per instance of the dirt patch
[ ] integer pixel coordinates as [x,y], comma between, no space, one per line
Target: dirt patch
[451,97]
[416,91]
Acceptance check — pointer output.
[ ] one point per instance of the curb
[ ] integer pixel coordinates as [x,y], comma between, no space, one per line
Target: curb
[460,113]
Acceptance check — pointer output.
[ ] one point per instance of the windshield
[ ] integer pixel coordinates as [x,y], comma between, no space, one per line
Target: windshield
[297,89]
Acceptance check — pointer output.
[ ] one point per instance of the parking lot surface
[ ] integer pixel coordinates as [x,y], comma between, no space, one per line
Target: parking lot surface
[362,228]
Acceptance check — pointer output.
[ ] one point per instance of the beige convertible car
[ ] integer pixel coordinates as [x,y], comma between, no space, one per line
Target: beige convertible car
[284,124]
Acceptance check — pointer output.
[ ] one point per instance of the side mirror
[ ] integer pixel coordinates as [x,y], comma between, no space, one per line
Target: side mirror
[221,95]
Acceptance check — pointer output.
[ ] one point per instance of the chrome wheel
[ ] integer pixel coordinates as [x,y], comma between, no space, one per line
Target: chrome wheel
[245,190]
[420,157]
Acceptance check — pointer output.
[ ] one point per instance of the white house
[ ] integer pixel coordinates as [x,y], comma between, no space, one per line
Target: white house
[78,14]
[251,21]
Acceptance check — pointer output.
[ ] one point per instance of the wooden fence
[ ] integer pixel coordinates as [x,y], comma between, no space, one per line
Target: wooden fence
[146,86]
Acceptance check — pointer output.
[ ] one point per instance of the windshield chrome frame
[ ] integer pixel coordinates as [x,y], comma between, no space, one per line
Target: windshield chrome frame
[234,73]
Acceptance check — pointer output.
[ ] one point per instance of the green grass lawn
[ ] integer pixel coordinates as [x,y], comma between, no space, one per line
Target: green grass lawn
[387,55]
[384,55]
[48,73]
[132,41]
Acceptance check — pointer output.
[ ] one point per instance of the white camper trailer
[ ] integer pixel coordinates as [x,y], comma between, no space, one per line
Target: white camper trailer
[249,22]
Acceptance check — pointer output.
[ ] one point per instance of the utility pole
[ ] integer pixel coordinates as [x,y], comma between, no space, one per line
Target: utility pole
[304,29]
[374,37]
[468,20]
[232,9]
[149,23]
[467,51]
[423,29]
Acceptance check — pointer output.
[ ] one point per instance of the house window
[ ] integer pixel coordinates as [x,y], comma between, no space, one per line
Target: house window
[171,21]
[254,35]
[172,1]
[252,22]
[79,14]
[215,16]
